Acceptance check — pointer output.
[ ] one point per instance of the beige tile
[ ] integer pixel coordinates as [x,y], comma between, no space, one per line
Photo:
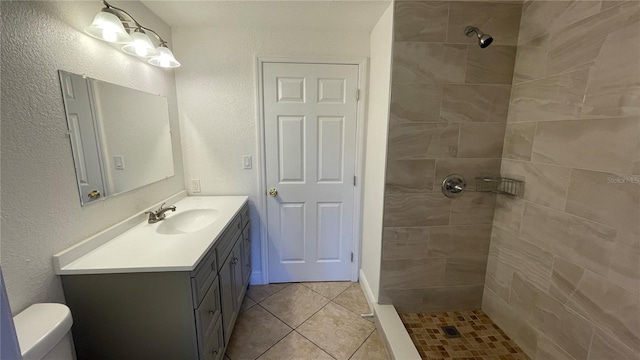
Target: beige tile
[420,21]
[583,242]
[415,103]
[416,209]
[578,45]
[405,301]
[542,17]
[328,289]
[605,346]
[469,168]
[474,103]
[501,20]
[422,141]
[294,304]
[372,349]
[467,270]
[473,208]
[255,331]
[491,65]
[258,293]
[508,214]
[543,184]
[294,347]
[606,198]
[499,275]
[412,274]
[609,306]
[405,243]
[531,60]
[571,332]
[425,63]
[518,140]
[336,330]
[353,300]
[609,145]
[547,349]
[409,176]
[452,298]
[564,279]
[247,304]
[481,140]
[558,97]
[625,262]
[449,241]
[525,300]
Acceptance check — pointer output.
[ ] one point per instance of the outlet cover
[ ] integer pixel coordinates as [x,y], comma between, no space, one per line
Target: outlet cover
[195,185]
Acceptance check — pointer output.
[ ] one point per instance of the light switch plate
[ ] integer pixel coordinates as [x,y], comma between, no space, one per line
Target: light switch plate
[246,162]
[195,185]
[118,162]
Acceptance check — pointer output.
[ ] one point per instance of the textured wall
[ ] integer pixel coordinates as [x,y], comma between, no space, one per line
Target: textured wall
[563,277]
[376,150]
[449,102]
[41,212]
[217,95]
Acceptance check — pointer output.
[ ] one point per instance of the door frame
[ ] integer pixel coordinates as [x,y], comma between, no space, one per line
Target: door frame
[262,277]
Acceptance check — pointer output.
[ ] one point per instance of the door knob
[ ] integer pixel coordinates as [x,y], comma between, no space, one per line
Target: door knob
[273,192]
[94,194]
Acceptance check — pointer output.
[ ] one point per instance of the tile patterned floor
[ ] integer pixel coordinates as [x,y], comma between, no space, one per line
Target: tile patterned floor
[305,321]
[481,338]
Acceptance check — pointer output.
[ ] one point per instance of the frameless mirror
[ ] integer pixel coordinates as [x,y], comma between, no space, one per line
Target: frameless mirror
[120,137]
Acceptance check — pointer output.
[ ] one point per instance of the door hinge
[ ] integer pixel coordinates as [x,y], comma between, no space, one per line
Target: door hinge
[351,257]
[354,181]
[358,95]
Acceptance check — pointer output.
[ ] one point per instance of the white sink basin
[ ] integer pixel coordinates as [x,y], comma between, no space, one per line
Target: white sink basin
[187,221]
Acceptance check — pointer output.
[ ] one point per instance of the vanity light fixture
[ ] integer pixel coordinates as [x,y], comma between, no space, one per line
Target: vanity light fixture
[115,25]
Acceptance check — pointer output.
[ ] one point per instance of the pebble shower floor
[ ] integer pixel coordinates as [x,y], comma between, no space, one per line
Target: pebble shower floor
[480,338]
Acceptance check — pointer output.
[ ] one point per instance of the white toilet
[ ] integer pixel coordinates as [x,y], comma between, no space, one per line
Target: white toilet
[43,332]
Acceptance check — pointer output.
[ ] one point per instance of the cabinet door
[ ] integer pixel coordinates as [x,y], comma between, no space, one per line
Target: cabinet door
[227,297]
[246,255]
[238,278]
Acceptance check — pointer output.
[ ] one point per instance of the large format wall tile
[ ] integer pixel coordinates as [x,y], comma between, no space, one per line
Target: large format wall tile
[605,346]
[531,60]
[492,65]
[452,298]
[416,209]
[564,279]
[586,243]
[518,140]
[508,214]
[465,240]
[541,17]
[421,21]
[475,103]
[481,140]
[552,98]
[547,349]
[607,145]
[606,198]
[467,270]
[409,176]
[405,243]
[501,20]
[412,274]
[473,208]
[543,184]
[469,168]
[625,262]
[419,63]
[423,141]
[415,102]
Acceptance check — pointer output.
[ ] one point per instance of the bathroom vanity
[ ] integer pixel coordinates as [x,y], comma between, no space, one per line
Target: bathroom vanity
[170,290]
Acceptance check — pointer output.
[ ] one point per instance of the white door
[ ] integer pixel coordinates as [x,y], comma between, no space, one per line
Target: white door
[310,145]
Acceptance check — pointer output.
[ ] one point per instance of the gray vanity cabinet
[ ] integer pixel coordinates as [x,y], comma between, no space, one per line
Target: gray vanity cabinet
[163,315]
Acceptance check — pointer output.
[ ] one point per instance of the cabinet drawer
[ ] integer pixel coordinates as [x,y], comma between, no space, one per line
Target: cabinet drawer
[207,315]
[214,345]
[228,239]
[245,215]
[202,277]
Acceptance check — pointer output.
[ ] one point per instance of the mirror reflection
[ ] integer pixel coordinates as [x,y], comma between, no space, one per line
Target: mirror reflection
[120,137]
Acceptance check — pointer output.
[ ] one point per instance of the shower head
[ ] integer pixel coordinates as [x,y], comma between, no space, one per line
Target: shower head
[484,40]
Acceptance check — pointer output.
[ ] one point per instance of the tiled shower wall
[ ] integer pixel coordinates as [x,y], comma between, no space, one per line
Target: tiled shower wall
[449,102]
[563,278]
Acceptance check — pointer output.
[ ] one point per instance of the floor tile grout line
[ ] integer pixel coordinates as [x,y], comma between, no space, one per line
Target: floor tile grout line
[303,284]
[311,341]
[270,295]
[277,342]
[361,345]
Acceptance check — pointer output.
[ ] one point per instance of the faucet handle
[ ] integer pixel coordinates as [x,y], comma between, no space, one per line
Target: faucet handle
[161,206]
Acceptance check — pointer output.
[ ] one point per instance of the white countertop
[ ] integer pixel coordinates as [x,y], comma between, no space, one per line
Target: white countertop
[141,249]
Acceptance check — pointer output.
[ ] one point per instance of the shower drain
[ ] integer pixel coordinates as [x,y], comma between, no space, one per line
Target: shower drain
[451,332]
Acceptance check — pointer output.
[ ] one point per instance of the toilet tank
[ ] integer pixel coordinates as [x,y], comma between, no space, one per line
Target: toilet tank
[40,328]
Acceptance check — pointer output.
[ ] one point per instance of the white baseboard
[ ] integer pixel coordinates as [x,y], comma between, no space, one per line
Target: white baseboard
[256,278]
[368,294]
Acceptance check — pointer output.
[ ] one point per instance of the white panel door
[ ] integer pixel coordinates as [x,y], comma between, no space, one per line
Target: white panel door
[310,145]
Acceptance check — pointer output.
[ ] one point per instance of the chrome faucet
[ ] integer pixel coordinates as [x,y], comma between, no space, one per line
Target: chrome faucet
[158,215]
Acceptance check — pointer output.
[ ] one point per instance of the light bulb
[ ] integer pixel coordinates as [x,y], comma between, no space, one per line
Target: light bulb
[109,35]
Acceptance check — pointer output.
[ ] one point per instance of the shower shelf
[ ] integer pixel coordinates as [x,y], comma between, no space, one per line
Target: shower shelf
[500,185]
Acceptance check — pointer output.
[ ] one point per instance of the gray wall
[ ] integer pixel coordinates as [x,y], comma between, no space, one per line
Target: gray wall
[449,102]
[563,277]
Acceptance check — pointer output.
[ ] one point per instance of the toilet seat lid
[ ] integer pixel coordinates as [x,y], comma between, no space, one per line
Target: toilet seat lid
[40,327]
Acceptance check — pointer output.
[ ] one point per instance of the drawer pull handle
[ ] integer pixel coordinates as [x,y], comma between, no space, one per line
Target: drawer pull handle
[211,312]
[215,352]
